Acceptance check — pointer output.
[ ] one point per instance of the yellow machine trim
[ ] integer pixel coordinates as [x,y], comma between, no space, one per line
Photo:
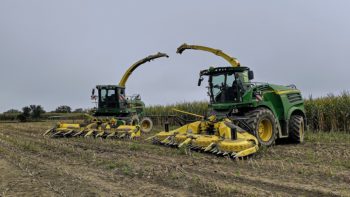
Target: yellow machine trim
[188,113]
[233,61]
[287,91]
[69,126]
[137,64]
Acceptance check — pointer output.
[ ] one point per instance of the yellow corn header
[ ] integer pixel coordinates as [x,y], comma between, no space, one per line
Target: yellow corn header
[108,128]
[210,135]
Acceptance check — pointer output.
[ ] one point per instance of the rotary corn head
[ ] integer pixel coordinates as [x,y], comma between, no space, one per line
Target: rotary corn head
[217,137]
[103,128]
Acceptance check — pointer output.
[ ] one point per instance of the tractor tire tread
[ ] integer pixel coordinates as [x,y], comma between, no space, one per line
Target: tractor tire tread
[294,128]
[252,121]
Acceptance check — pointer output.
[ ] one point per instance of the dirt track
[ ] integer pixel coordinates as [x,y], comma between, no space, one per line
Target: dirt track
[33,165]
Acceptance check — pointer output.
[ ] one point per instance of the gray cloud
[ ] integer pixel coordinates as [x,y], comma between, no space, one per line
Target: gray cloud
[54,52]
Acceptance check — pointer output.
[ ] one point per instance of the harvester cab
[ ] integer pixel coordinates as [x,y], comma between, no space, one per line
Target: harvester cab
[227,84]
[112,101]
[245,114]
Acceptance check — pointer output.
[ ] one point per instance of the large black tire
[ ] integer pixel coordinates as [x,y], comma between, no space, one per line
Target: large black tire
[263,116]
[146,125]
[296,129]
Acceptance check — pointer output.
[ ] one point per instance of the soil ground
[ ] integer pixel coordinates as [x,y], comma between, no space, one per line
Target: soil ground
[34,165]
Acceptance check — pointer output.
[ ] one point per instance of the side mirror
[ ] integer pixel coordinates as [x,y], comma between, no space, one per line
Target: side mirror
[93,97]
[200,81]
[250,75]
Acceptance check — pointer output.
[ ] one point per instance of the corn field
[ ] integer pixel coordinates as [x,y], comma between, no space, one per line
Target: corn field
[330,113]
[158,112]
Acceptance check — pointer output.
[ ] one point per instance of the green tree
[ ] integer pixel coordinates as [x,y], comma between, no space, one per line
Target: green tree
[26,111]
[12,111]
[36,111]
[23,117]
[78,110]
[63,109]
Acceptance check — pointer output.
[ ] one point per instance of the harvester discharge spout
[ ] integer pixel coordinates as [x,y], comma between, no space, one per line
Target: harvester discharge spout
[232,60]
[137,64]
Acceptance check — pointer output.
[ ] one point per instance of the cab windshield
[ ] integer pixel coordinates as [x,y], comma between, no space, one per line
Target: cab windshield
[227,87]
[108,98]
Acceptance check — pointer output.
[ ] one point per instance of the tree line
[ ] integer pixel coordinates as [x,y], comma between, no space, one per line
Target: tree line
[35,112]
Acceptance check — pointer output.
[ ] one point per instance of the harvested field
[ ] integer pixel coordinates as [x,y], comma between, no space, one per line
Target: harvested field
[33,165]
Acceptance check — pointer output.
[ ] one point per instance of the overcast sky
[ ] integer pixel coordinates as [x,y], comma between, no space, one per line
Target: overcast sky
[54,52]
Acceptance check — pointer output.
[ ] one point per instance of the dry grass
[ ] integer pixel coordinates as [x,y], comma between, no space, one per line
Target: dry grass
[32,164]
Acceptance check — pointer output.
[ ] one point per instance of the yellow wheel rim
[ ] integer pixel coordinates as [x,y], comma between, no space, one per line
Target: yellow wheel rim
[145,125]
[265,130]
